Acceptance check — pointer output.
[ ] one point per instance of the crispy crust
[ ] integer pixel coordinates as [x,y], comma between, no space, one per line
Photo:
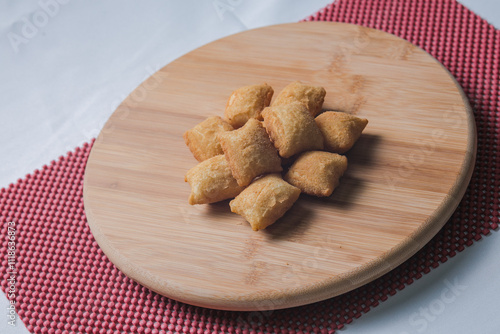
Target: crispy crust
[340,130]
[317,173]
[202,138]
[292,129]
[311,96]
[247,102]
[249,152]
[211,181]
[265,201]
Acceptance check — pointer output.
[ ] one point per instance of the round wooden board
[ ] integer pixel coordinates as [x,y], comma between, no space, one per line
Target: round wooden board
[406,174]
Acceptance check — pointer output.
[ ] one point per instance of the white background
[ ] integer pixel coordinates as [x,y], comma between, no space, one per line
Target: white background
[65,66]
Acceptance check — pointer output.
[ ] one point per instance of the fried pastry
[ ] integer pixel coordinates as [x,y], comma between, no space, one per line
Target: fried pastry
[249,152]
[265,200]
[316,172]
[211,181]
[340,130]
[202,139]
[292,129]
[247,102]
[311,96]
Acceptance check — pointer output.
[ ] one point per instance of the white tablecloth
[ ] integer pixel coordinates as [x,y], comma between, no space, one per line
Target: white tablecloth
[66,65]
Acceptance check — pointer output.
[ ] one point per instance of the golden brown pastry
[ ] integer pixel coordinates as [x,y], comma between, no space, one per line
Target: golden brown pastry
[202,139]
[340,130]
[249,152]
[311,96]
[292,129]
[265,201]
[247,102]
[316,172]
[211,181]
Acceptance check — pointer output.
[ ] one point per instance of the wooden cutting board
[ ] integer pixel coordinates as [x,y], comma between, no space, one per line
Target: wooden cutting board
[406,174]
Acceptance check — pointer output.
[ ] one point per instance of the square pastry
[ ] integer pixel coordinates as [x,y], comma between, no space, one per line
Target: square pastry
[212,181]
[292,129]
[249,152]
[311,96]
[265,201]
[317,173]
[340,130]
[247,102]
[202,138]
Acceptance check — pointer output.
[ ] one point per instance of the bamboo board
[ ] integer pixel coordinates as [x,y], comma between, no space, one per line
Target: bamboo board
[406,174]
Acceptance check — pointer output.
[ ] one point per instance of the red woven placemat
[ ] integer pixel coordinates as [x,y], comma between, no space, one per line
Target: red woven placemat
[65,284]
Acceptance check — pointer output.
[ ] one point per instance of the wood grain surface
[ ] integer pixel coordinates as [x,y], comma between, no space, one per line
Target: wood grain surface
[406,174]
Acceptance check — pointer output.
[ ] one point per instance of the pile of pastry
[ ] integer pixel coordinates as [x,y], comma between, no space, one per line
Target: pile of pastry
[264,155]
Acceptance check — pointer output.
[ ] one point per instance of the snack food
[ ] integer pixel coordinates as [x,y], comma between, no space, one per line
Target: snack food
[247,102]
[244,164]
[311,96]
[265,201]
[317,173]
[292,129]
[340,130]
[211,181]
[249,152]
[202,138]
